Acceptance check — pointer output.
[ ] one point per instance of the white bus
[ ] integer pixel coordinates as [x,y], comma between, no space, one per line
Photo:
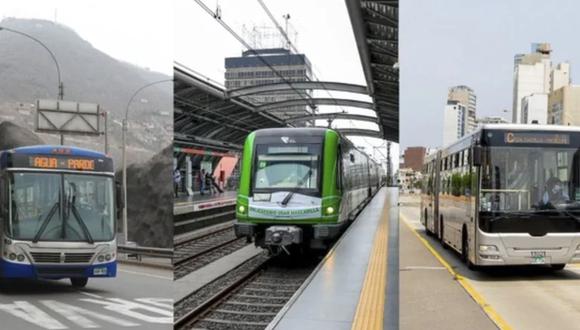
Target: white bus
[507,195]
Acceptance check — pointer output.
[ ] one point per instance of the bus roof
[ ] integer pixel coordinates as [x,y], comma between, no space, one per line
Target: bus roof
[56,149]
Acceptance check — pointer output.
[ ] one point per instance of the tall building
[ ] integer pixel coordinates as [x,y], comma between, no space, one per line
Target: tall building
[413,157]
[454,119]
[250,70]
[491,120]
[564,106]
[531,75]
[560,76]
[466,96]
[535,109]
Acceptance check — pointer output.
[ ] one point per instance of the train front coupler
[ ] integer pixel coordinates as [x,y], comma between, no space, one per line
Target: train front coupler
[279,237]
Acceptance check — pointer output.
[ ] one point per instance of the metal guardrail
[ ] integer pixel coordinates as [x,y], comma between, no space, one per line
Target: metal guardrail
[146,251]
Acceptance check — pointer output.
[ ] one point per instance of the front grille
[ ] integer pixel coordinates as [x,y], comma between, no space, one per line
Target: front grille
[60,272]
[77,257]
[55,257]
[46,257]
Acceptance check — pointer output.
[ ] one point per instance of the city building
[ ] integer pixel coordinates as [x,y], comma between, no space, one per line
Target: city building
[564,106]
[413,158]
[535,109]
[251,69]
[531,75]
[560,76]
[491,120]
[454,122]
[466,96]
[409,180]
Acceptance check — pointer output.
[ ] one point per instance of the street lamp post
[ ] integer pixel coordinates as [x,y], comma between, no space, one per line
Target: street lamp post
[124,140]
[60,85]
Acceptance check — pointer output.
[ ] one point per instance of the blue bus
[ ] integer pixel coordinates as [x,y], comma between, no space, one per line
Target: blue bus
[58,211]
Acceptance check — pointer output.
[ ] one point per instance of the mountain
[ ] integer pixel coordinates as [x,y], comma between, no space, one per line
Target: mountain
[27,73]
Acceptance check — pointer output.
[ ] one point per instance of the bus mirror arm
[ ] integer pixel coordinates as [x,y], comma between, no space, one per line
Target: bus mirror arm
[477,156]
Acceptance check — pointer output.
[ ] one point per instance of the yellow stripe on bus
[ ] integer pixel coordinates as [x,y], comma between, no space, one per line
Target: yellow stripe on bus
[489,311]
[371,305]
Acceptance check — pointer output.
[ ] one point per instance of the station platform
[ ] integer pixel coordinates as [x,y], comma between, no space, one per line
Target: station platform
[355,285]
[197,202]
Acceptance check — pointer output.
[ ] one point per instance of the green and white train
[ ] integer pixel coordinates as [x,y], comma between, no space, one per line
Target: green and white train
[301,187]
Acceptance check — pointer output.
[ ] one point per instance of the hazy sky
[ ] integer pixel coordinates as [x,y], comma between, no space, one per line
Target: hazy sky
[138,32]
[324,35]
[456,42]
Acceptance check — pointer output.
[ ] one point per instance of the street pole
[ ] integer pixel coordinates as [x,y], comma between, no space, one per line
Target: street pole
[125,228]
[106,116]
[60,84]
[125,127]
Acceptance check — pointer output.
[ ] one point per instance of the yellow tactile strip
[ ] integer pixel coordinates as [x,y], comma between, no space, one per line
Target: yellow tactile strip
[371,305]
[475,295]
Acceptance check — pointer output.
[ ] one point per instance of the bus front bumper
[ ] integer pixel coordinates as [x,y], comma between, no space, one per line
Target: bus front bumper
[17,270]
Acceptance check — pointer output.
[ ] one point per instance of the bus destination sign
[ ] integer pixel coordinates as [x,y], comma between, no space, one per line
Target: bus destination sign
[536,138]
[63,163]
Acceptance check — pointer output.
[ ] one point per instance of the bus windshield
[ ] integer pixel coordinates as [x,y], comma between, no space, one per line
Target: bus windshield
[530,179]
[293,167]
[61,207]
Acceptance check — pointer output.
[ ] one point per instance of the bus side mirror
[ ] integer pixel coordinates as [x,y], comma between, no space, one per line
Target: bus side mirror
[477,156]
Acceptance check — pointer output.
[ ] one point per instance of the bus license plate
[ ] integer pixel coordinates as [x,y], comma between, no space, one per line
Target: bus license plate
[538,257]
[100,271]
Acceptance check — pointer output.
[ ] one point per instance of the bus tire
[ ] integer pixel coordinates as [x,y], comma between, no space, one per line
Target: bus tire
[464,247]
[557,266]
[79,282]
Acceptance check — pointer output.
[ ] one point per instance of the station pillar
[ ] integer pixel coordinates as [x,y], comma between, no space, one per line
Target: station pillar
[188,176]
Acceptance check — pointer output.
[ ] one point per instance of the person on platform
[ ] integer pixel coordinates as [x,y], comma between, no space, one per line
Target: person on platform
[176,181]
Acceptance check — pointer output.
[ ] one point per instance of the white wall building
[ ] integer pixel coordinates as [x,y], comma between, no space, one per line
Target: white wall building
[466,96]
[454,122]
[531,75]
[560,76]
[535,109]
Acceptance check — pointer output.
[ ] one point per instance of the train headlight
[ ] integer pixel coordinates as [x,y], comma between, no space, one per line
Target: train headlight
[330,210]
[242,209]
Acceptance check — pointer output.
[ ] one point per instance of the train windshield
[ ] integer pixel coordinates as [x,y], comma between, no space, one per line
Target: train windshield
[287,167]
[61,207]
[530,179]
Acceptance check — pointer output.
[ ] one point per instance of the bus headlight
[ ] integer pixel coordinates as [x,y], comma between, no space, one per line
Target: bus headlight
[488,248]
[20,257]
[329,210]
[12,256]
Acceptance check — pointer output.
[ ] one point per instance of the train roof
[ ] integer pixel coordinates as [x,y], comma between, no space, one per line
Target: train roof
[310,131]
[56,149]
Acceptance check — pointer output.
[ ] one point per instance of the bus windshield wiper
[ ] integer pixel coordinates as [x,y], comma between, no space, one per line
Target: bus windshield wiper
[300,184]
[72,207]
[46,221]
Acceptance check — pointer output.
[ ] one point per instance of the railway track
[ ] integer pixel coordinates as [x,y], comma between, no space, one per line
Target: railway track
[200,251]
[248,299]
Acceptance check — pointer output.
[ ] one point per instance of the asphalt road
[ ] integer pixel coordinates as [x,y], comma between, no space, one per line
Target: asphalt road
[138,297]
[517,297]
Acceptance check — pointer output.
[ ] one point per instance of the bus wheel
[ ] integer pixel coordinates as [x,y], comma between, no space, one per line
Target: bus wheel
[79,282]
[464,247]
[557,266]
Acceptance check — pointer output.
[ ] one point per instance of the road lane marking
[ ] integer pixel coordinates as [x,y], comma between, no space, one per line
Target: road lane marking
[464,282]
[371,305]
[145,274]
[32,314]
[78,315]
[131,308]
